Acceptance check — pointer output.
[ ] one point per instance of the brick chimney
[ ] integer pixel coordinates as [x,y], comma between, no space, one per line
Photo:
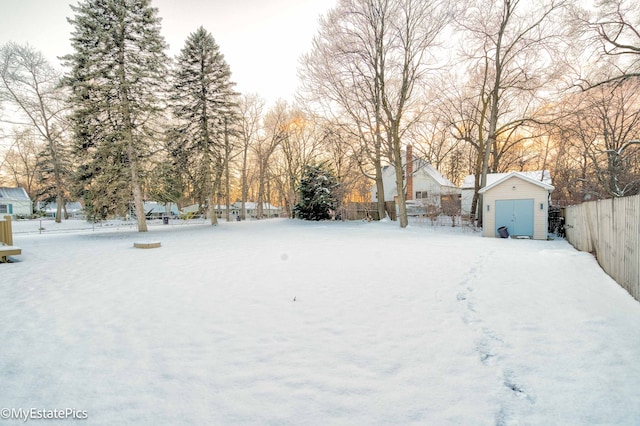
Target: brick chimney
[409,171]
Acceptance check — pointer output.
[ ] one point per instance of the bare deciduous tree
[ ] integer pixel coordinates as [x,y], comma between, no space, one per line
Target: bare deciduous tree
[274,132]
[607,125]
[298,148]
[29,82]
[21,161]
[341,76]
[251,109]
[368,60]
[514,47]
[615,26]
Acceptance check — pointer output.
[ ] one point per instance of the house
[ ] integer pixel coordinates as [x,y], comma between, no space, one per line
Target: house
[251,209]
[15,202]
[74,209]
[424,185]
[518,203]
[157,210]
[221,210]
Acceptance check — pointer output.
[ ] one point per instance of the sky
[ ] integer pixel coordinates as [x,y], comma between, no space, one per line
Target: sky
[262,40]
[287,322]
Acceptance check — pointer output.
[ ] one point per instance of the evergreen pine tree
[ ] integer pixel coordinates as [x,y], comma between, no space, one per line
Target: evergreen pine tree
[115,73]
[204,106]
[317,193]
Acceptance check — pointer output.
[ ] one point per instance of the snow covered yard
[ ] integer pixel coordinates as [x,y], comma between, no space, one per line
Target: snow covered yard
[419,326]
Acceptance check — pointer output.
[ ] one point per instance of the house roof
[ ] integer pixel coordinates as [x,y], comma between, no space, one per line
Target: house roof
[435,174]
[156,207]
[14,194]
[538,175]
[518,175]
[421,164]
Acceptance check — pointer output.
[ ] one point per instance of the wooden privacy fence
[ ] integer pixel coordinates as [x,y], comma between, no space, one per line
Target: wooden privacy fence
[610,229]
[363,211]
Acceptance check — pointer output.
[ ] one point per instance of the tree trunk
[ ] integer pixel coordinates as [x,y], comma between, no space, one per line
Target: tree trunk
[382,210]
[243,211]
[227,154]
[217,184]
[138,199]
[401,200]
[60,201]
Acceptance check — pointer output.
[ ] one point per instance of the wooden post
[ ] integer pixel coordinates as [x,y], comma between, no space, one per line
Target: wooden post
[8,238]
[6,235]
[2,231]
[9,231]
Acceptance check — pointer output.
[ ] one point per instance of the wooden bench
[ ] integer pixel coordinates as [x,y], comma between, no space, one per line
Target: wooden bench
[147,245]
[6,241]
[6,251]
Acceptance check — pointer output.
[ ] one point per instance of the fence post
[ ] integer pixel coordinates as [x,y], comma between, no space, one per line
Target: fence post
[6,234]
[2,231]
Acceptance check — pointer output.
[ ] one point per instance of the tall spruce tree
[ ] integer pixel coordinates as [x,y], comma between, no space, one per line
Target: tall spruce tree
[205,108]
[115,73]
[317,193]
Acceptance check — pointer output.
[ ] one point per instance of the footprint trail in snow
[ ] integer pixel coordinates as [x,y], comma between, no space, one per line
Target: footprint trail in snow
[514,397]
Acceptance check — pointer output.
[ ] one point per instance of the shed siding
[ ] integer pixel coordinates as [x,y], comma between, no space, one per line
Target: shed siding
[523,190]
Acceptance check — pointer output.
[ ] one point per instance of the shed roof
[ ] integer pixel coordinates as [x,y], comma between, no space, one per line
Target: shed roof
[14,194]
[518,175]
[537,175]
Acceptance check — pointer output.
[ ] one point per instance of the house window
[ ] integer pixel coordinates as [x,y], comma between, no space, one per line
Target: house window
[4,208]
[421,195]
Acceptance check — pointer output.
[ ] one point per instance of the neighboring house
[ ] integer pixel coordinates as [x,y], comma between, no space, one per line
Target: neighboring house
[468,185]
[15,202]
[519,203]
[251,209]
[74,209]
[221,210]
[424,185]
[156,210]
[190,210]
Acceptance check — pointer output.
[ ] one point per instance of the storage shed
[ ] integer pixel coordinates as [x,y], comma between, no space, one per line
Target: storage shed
[519,203]
[15,202]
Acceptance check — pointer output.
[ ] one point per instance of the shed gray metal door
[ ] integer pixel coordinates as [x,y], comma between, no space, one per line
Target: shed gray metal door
[516,215]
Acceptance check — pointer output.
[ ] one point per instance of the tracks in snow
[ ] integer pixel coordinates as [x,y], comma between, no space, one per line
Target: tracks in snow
[514,396]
